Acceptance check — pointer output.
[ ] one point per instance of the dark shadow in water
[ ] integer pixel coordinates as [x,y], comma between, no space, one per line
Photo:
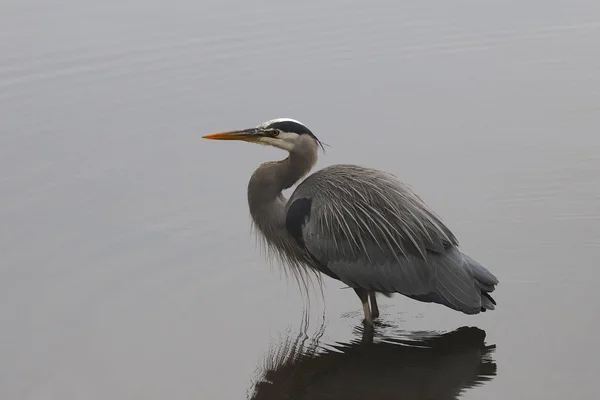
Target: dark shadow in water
[373,366]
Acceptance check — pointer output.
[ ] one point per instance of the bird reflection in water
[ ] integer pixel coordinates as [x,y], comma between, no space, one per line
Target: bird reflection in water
[374,366]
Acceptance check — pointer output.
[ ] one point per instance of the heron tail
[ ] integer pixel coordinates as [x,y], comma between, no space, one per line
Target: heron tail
[462,284]
[485,281]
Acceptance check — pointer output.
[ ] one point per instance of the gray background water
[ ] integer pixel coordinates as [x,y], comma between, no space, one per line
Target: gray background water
[127,266]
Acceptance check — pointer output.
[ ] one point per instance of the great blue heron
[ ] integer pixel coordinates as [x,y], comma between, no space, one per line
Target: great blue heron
[357,225]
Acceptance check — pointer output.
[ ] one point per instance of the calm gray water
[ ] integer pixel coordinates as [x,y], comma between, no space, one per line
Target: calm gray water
[127,265]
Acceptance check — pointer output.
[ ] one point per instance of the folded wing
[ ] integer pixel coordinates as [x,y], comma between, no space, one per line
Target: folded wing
[373,232]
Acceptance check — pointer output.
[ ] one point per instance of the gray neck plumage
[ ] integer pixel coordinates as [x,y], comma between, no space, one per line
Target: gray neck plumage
[265,198]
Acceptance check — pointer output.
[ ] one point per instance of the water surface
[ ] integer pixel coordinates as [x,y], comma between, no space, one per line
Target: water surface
[127,265]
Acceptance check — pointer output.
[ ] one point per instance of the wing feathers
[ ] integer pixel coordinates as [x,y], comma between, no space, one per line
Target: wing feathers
[375,233]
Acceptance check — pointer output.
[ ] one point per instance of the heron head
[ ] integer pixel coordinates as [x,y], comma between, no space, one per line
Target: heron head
[281,132]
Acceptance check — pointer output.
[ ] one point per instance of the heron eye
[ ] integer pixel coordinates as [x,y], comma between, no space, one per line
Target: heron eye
[275,133]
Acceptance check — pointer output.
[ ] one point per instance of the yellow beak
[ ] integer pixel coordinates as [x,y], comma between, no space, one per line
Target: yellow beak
[247,135]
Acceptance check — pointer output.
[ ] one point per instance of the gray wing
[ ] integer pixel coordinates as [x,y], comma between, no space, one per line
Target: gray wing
[373,232]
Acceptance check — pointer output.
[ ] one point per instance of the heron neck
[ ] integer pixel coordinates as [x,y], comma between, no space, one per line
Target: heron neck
[265,198]
[271,178]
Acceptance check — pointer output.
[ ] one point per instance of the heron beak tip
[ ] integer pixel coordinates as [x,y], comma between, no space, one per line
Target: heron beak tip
[216,136]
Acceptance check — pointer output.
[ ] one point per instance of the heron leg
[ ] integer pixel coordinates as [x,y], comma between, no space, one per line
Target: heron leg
[374,308]
[364,298]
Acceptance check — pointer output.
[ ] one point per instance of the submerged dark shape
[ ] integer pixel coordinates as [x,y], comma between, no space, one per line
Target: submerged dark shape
[438,366]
